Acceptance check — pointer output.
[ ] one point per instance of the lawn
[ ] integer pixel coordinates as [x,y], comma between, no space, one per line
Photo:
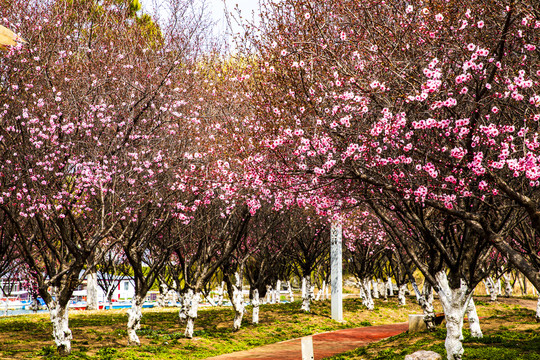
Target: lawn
[510,328]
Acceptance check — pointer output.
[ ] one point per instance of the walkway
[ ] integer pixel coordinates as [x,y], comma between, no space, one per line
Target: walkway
[324,345]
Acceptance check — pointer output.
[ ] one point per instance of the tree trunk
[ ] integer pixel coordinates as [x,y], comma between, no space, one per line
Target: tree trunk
[454,303]
[327,292]
[320,294]
[134,320]
[92,290]
[375,290]
[382,289]
[61,332]
[306,293]
[268,297]
[474,321]
[508,288]
[109,298]
[367,301]
[220,294]
[425,300]
[291,295]
[278,291]
[390,287]
[401,295]
[192,307]
[255,302]
[185,299]
[238,302]
[492,288]
[163,290]
[538,310]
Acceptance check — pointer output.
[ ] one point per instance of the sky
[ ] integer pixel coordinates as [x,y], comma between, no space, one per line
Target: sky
[220,7]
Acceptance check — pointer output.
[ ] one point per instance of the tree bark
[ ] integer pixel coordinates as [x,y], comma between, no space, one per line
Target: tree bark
[492,288]
[367,300]
[454,303]
[375,290]
[92,290]
[306,293]
[474,321]
[192,307]
[390,287]
[425,300]
[255,302]
[402,300]
[278,292]
[508,289]
[538,310]
[163,290]
[220,294]
[134,320]
[61,333]
[238,302]
[291,295]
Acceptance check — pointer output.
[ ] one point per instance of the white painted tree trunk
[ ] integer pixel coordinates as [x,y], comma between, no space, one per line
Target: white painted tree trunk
[367,301]
[327,292]
[474,321]
[375,289]
[238,302]
[306,288]
[425,300]
[134,320]
[255,302]
[291,295]
[401,295]
[319,293]
[61,333]
[268,297]
[220,294]
[278,291]
[416,291]
[382,289]
[192,309]
[390,287]
[491,288]
[163,289]
[185,300]
[362,292]
[538,309]
[454,303]
[508,289]
[91,290]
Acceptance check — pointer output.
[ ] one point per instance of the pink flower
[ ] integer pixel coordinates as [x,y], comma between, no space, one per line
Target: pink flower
[480,24]
[439,17]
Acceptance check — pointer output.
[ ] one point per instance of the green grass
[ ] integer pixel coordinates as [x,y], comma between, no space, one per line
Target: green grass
[102,335]
[510,333]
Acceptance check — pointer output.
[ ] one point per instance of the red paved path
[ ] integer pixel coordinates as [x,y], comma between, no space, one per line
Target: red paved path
[324,345]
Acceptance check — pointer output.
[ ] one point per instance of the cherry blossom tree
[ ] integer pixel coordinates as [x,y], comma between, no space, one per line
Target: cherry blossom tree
[430,103]
[86,111]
